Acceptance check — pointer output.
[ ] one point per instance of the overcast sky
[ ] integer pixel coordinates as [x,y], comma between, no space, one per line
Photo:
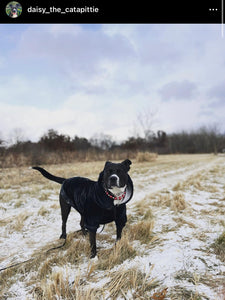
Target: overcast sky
[88,79]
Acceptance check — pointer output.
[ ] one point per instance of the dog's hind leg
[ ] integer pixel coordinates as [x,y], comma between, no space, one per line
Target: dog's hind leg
[92,239]
[65,210]
[83,229]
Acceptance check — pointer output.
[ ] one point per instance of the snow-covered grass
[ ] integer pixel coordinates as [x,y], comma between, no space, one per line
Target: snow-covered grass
[172,246]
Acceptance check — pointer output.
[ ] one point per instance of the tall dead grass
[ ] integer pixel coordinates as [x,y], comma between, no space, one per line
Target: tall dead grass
[141,231]
[9,160]
[219,246]
[175,201]
[120,282]
[119,253]
[17,222]
[125,280]
[146,156]
[197,181]
[58,286]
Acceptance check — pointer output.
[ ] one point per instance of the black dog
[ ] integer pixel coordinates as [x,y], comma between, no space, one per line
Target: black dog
[98,202]
[14,10]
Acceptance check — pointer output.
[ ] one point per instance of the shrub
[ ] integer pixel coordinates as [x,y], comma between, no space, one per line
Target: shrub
[146,156]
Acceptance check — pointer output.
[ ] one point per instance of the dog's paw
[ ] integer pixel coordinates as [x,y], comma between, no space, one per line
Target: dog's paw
[93,254]
[62,236]
[94,259]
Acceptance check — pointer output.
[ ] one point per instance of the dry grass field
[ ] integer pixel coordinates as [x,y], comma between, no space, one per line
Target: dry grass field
[173,246]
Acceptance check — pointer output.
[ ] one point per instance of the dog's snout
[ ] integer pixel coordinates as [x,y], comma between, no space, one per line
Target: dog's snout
[114,180]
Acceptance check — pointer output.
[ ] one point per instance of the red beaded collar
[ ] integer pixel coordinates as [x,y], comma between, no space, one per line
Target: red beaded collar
[116,198]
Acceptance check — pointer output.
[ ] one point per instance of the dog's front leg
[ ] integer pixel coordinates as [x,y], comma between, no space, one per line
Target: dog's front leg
[92,239]
[118,232]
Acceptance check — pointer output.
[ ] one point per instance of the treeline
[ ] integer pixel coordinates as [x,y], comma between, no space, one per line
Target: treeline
[53,147]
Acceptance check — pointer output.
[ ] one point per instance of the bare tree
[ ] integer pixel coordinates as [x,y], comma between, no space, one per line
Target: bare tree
[16,136]
[146,120]
[102,141]
[2,142]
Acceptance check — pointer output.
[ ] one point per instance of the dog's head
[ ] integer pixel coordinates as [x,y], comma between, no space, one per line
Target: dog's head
[14,9]
[117,183]
[115,174]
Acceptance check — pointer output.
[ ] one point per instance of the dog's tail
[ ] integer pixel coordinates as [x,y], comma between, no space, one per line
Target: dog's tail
[49,176]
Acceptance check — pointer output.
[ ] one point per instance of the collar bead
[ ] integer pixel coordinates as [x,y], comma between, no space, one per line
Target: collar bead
[114,197]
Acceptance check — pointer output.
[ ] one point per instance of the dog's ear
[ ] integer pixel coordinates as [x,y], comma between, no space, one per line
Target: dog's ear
[107,163]
[127,164]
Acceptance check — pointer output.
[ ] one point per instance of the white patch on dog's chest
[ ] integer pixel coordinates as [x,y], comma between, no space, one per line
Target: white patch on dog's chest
[117,191]
[117,202]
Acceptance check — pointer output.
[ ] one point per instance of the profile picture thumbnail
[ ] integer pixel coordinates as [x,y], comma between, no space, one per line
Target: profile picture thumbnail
[13,9]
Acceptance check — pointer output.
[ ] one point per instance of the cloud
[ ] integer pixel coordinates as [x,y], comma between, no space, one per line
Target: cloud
[34,122]
[176,115]
[217,93]
[74,50]
[37,92]
[2,62]
[80,114]
[178,90]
